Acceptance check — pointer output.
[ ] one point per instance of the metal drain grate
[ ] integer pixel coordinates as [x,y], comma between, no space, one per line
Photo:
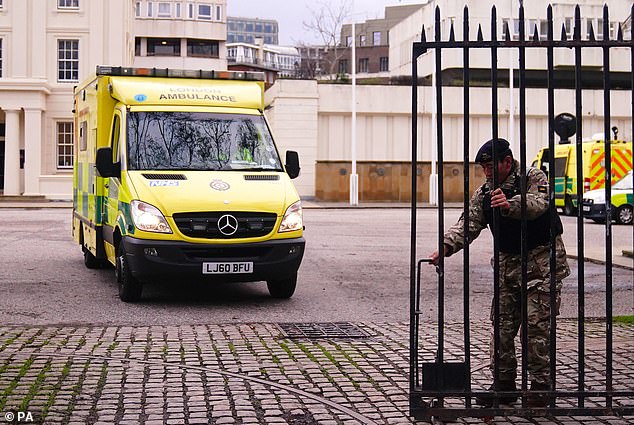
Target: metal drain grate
[322,330]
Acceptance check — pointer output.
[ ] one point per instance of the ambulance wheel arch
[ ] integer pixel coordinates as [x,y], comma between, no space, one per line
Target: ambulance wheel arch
[569,208]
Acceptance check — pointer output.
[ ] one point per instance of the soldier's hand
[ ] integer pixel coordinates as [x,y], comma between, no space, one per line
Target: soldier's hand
[435,256]
[498,199]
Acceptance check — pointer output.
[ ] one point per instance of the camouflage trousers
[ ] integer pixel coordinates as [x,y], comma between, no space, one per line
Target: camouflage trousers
[538,311]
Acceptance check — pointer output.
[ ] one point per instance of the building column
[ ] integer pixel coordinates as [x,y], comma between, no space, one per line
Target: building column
[12,152]
[32,151]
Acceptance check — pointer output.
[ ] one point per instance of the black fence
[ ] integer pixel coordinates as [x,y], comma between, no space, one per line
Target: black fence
[434,384]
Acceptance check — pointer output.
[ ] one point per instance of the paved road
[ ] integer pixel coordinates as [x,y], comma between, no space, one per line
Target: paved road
[71,352]
[356,268]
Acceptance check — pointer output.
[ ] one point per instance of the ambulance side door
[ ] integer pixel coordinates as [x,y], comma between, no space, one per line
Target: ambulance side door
[114,183]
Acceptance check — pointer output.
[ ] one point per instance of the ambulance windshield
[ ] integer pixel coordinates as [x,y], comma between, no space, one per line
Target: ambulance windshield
[199,141]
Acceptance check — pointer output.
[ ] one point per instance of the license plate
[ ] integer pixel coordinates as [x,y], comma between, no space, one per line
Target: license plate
[228,268]
[586,208]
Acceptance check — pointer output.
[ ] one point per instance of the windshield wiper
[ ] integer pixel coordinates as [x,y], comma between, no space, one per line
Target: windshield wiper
[256,169]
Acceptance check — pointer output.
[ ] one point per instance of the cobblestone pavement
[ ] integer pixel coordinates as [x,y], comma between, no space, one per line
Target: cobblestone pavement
[253,373]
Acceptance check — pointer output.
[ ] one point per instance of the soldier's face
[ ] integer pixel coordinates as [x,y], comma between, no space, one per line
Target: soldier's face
[504,168]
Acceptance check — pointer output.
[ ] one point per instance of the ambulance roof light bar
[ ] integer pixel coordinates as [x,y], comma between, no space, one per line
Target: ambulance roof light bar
[179,73]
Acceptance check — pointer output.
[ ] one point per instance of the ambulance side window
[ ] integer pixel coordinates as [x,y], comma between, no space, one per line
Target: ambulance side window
[116,133]
[83,136]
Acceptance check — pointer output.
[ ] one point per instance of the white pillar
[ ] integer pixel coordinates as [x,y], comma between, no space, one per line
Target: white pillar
[354,177]
[12,152]
[32,151]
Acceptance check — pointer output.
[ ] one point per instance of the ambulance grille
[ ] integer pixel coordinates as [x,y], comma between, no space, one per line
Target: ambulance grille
[262,177]
[205,225]
[164,176]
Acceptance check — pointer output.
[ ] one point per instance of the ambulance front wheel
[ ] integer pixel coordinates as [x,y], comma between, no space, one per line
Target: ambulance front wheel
[624,214]
[129,288]
[283,288]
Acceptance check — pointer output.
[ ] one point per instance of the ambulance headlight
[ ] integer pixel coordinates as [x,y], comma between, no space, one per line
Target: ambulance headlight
[148,218]
[293,218]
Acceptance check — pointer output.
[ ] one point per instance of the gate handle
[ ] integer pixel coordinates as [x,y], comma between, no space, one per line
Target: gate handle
[427,260]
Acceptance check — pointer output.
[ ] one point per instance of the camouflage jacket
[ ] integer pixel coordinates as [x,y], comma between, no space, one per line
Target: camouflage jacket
[536,205]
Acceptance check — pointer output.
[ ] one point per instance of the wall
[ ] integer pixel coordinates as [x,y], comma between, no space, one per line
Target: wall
[315,119]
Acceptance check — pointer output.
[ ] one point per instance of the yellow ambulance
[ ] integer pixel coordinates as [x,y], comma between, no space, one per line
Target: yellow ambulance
[593,154]
[177,177]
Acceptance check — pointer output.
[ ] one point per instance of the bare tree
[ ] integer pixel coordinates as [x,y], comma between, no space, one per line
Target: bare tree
[327,18]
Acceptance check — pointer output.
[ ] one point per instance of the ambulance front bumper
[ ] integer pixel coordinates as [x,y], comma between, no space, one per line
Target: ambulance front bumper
[172,260]
[592,210]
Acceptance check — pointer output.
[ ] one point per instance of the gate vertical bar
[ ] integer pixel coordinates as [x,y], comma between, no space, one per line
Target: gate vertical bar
[466,308]
[581,313]
[522,104]
[413,299]
[441,202]
[608,207]
[496,211]
[551,145]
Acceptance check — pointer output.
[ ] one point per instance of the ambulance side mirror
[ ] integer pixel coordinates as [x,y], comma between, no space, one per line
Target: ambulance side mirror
[292,164]
[105,166]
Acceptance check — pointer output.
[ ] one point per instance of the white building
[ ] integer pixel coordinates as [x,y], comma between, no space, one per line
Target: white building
[283,59]
[408,31]
[47,47]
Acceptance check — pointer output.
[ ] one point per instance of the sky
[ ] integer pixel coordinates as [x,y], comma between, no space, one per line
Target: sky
[291,14]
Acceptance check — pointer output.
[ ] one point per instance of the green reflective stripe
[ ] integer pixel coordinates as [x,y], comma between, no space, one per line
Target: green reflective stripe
[84,204]
[125,219]
[630,198]
[99,210]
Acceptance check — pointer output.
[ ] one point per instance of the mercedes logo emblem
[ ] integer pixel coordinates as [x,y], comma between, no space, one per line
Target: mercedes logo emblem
[219,185]
[228,225]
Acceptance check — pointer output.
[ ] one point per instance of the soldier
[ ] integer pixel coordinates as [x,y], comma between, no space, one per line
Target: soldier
[507,198]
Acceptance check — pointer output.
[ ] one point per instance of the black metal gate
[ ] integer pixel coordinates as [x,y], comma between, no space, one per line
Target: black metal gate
[441,388]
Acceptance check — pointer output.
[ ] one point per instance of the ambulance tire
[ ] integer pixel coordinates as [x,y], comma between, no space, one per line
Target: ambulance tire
[90,261]
[284,288]
[129,288]
[624,214]
[569,209]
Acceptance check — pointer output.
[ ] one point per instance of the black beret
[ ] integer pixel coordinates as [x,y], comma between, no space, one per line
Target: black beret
[485,153]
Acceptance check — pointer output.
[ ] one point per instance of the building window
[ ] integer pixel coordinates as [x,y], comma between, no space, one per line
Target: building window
[384,64]
[137,9]
[0,57]
[164,10]
[190,11]
[343,66]
[163,47]
[68,4]
[137,46]
[178,10]
[349,41]
[202,48]
[204,11]
[65,144]
[376,38]
[364,64]
[1,4]
[362,40]
[149,9]
[68,60]
[218,13]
